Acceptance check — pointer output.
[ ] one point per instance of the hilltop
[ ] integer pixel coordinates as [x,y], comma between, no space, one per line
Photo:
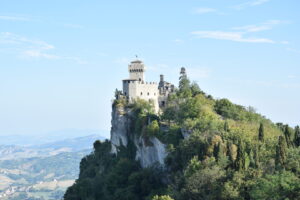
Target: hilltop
[195,147]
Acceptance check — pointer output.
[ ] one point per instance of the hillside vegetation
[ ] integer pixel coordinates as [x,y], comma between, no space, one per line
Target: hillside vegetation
[216,150]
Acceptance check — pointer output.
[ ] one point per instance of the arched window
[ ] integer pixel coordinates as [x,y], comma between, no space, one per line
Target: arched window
[148,93]
[141,93]
[154,94]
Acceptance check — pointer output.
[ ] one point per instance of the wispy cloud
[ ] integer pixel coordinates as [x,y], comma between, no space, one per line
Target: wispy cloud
[260,27]
[242,33]
[178,41]
[27,48]
[204,10]
[232,36]
[11,38]
[30,48]
[37,54]
[250,4]
[13,18]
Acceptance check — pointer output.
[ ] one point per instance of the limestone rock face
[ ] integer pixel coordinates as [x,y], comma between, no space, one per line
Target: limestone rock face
[119,129]
[149,151]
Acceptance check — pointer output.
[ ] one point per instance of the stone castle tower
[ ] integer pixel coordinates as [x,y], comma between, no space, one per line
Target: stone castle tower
[137,70]
[136,87]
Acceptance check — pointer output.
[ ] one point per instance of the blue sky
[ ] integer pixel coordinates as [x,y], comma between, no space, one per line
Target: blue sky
[62,60]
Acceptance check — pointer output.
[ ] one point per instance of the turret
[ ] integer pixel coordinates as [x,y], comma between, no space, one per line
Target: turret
[161,82]
[161,78]
[182,73]
[136,70]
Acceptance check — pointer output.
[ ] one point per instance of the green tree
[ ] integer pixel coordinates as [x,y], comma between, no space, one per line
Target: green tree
[297,136]
[184,84]
[193,166]
[195,89]
[256,157]
[153,128]
[288,134]
[293,161]
[261,132]
[227,109]
[234,187]
[280,153]
[170,113]
[204,184]
[242,160]
[283,185]
[220,155]
[226,126]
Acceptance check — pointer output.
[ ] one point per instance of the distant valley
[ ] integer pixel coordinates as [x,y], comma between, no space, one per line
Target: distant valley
[42,171]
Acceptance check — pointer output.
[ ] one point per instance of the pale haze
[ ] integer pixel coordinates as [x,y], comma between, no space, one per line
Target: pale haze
[60,61]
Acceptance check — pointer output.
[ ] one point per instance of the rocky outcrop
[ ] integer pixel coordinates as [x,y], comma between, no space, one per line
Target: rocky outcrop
[119,133]
[149,151]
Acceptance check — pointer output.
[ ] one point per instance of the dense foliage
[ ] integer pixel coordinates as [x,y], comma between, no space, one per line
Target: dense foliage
[216,150]
[106,176]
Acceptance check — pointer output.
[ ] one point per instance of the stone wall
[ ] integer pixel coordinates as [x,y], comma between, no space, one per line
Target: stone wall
[134,89]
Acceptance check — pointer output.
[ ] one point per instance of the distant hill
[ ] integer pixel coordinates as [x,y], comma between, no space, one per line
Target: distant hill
[42,171]
[53,136]
[8,152]
[74,144]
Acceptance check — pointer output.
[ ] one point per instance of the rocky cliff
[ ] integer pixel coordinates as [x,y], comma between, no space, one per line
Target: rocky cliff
[149,150]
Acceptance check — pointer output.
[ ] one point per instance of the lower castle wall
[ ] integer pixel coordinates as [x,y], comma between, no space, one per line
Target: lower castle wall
[138,89]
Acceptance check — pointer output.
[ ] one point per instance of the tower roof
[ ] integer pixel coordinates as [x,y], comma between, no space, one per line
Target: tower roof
[136,62]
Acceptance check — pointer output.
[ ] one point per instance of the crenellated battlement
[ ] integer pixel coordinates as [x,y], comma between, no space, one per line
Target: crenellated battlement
[126,81]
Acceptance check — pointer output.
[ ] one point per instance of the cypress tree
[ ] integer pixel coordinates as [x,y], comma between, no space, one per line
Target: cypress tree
[280,153]
[287,135]
[220,155]
[256,157]
[226,126]
[297,136]
[261,132]
[184,84]
[242,161]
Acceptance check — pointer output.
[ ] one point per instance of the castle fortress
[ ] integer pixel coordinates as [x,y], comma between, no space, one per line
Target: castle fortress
[137,88]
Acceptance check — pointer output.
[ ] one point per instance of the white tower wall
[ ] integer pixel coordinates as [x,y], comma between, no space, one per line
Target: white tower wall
[137,70]
[133,89]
